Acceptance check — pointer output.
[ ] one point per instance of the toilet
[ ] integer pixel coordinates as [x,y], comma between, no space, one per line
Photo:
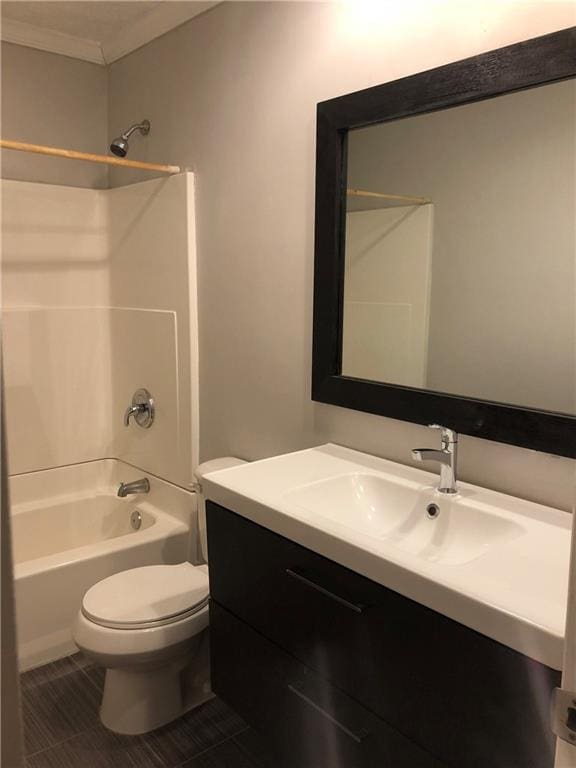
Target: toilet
[147,627]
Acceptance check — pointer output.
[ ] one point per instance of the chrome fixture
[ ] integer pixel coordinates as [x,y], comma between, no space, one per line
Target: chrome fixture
[142,409]
[136,486]
[136,520]
[120,147]
[447,457]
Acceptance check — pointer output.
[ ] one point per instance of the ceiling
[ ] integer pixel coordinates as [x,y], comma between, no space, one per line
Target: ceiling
[93,30]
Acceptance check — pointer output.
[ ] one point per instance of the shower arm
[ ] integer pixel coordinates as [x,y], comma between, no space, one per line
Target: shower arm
[143,127]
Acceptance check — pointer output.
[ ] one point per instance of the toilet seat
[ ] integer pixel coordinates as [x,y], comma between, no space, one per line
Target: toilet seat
[147,597]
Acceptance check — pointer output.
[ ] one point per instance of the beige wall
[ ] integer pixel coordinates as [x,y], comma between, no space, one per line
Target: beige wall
[54,100]
[233,94]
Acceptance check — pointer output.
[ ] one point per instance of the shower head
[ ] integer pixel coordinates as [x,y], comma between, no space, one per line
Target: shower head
[120,147]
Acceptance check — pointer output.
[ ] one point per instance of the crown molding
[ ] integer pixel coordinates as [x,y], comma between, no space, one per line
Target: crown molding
[50,40]
[158,21]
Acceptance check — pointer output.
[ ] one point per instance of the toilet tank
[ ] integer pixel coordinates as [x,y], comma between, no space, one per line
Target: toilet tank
[203,469]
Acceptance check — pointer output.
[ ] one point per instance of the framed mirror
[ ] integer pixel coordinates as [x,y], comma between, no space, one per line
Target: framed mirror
[445,261]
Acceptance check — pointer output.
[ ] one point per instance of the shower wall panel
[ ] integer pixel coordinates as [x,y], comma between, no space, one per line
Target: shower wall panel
[54,272]
[54,245]
[152,256]
[57,385]
[99,295]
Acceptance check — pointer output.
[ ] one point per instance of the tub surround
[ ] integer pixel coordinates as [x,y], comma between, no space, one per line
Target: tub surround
[91,313]
[515,592]
[86,536]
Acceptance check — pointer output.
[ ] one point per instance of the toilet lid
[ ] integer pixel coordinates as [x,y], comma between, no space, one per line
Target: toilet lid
[147,597]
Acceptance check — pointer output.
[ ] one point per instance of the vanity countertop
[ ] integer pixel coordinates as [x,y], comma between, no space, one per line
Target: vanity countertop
[513,590]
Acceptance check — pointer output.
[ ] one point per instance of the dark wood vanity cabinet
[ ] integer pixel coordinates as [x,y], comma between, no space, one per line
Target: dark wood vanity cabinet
[340,672]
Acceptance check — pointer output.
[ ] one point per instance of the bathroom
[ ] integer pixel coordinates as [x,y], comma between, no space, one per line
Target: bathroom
[204,375]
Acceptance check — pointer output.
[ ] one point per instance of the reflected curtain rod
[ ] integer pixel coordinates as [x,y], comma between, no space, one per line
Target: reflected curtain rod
[384,196]
[71,154]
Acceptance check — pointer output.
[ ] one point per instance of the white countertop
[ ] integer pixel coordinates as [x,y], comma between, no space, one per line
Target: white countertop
[515,593]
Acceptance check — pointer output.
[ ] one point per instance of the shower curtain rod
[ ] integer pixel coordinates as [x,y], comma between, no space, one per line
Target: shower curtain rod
[72,154]
[384,196]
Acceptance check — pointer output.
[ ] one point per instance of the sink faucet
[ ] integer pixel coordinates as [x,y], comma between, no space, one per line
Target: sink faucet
[447,456]
[137,486]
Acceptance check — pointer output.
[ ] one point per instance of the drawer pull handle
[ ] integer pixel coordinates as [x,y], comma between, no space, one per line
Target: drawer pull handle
[356,607]
[295,689]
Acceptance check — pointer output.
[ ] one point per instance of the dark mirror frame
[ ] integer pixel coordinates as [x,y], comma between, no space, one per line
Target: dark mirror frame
[524,65]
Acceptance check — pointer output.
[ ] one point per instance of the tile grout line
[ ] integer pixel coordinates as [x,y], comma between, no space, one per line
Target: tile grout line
[78,669]
[148,749]
[59,743]
[208,749]
[86,676]
[91,682]
[145,745]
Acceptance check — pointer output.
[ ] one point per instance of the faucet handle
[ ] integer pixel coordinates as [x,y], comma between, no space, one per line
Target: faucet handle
[448,435]
[130,411]
[142,408]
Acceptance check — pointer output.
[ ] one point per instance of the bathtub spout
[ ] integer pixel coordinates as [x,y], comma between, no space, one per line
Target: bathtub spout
[137,486]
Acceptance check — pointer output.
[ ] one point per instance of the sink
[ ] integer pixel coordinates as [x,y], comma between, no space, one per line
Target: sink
[415,518]
[492,562]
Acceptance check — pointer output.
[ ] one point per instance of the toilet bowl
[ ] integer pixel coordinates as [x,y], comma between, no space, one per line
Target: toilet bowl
[148,627]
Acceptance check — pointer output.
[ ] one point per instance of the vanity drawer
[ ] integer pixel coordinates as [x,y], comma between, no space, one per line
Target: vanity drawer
[465,698]
[308,723]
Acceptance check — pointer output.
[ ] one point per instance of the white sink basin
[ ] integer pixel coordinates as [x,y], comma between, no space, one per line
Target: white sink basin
[386,508]
[494,563]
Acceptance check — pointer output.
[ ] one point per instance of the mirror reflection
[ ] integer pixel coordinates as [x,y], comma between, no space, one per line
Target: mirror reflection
[460,262]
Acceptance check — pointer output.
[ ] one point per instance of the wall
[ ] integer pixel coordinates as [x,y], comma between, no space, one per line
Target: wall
[502,175]
[241,113]
[57,101]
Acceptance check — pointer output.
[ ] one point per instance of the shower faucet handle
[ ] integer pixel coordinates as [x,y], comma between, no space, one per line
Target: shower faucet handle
[130,411]
[142,408]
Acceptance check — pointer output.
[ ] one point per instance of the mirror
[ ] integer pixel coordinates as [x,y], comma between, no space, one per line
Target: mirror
[460,250]
[445,247]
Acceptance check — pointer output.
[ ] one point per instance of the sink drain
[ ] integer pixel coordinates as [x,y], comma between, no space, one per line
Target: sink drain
[136,520]
[432,510]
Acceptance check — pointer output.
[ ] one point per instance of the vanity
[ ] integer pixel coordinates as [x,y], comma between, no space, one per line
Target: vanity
[353,628]
[366,613]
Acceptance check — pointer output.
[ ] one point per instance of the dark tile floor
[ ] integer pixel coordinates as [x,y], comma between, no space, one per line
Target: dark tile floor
[62,728]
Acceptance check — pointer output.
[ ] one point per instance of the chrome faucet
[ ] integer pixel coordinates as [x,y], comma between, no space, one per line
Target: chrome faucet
[447,456]
[142,408]
[137,486]
[131,411]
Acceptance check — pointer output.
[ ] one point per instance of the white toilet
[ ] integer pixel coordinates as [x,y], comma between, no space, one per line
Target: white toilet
[146,626]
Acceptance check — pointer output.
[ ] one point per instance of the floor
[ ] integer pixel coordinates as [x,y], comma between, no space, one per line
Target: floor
[62,728]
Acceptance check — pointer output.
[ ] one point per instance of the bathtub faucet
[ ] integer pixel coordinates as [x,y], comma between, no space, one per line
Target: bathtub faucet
[137,486]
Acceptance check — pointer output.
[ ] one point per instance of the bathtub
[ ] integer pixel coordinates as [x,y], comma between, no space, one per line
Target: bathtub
[70,530]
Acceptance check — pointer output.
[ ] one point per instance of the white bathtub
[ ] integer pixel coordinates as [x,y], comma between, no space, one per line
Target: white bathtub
[70,530]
